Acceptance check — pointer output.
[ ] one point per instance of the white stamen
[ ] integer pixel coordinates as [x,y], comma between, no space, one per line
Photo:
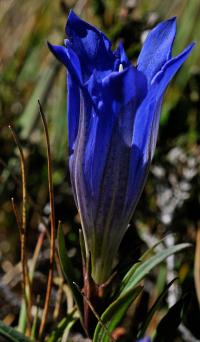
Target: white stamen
[121,67]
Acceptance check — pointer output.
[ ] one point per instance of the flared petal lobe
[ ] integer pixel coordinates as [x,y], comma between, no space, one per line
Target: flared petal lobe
[157,48]
[144,122]
[71,61]
[67,56]
[146,128]
[92,47]
[113,119]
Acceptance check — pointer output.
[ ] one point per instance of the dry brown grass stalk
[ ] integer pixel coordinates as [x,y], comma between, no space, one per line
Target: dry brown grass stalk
[52,219]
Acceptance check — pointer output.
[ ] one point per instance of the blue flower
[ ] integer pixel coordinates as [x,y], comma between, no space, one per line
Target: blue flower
[113,118]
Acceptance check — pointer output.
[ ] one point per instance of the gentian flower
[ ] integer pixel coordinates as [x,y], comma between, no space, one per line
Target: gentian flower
[113,117]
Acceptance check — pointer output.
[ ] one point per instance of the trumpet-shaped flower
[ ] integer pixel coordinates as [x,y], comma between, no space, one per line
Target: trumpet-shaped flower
[113,118]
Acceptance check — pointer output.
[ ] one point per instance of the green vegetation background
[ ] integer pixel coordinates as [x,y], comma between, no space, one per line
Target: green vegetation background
[29,72]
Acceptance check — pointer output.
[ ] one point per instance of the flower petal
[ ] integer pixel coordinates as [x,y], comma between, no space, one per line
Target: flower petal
[67,57]
[70,60]
[73,105]
[164,76]
[146,128]
[79,182]
[160,83]
[91,46]
[145,116]
[157,48]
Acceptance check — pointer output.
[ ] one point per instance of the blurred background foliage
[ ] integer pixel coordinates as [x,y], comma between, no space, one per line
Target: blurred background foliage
[170,202]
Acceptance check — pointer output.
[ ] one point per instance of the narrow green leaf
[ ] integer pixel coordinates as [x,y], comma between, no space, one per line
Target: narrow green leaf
[29,117]
[22,317]
[168,326]
[150,252]
[114,314]
[34,325]
[58,332]
[153,309]
[67,331]
[145,267]
[11,334]
[67,269]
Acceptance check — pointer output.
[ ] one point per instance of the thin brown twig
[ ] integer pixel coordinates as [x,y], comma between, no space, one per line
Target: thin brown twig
[52,214]
[25,273]
[16,215]
[37,210]
[23,269]
[29,198]
[112,339]
[36,253]
[23,174]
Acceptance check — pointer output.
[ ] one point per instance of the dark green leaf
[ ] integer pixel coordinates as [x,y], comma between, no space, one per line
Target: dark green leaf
[153,310]
[11,334]
[114,314]
[167,327]
[150,252]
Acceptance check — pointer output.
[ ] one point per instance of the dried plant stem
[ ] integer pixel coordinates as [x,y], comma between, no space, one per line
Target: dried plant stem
[16,215]
[18,182]
[36,254]
[22,229]
[197,264]
[52,216]
[95,313]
